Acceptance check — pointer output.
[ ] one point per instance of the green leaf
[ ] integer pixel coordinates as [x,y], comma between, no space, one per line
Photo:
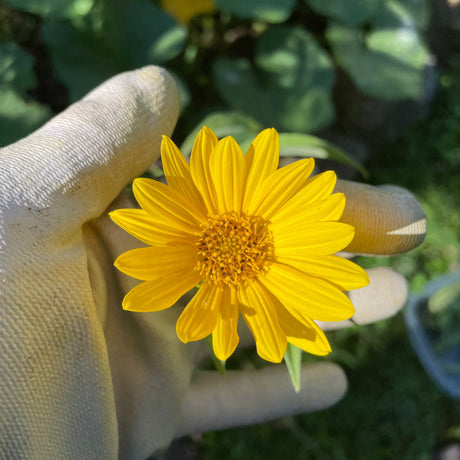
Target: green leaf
[244,129]
[403,45]
[142,32]
[16,68]
[241,127]
[290,86]
[19,118]
[81,60]
[126,35]
[293,360]
[290,56]
[273,11]
[386,64]
[413,14]
[305,146]
[349,12]
[53,8]
[237,85]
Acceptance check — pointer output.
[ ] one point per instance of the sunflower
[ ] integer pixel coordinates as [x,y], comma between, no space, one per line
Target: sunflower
[255,239]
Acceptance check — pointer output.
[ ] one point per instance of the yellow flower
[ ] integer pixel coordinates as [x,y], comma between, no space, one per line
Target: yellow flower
[185,10]
[260,240]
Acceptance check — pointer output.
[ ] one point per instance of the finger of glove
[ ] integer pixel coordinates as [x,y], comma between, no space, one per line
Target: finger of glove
[388,220]
[76,164]
[243,398]
[382,298]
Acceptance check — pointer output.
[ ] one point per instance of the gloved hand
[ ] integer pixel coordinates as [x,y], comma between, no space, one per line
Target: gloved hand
[81,378]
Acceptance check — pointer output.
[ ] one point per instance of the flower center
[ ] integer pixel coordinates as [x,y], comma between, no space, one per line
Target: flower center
[233,248]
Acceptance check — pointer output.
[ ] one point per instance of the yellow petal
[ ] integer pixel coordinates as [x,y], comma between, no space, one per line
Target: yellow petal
[310,296]
[323,210]
[259,312]
[319,238]
[200,315]
[203,146]
[337,270]
[164,202]
[333,209]
[319,187]
[177,173]
[146,228]
[305,334]
[225,335]
[228,170]
[162,293]
[262,161]
[277,189]
[154,262]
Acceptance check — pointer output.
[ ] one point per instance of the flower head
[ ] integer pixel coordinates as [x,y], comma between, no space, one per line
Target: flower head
[259,240]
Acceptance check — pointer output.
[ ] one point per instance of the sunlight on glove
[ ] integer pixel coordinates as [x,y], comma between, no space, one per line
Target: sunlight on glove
[85,379]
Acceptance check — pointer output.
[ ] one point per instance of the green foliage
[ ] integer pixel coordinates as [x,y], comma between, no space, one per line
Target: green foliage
[244,129]
[305,146]
[16,68]
[141,32]
[121,35]
[81,60]
[290,86]
[18,117]
[378,43]
[386,63]
[381,14]
[413,14]
[273,11]
[350,12]
[53,8]
[258,58]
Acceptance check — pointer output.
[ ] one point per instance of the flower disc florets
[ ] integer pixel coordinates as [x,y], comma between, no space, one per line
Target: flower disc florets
[233,248]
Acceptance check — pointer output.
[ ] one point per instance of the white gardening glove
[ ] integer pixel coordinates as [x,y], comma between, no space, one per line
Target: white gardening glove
[80,377]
